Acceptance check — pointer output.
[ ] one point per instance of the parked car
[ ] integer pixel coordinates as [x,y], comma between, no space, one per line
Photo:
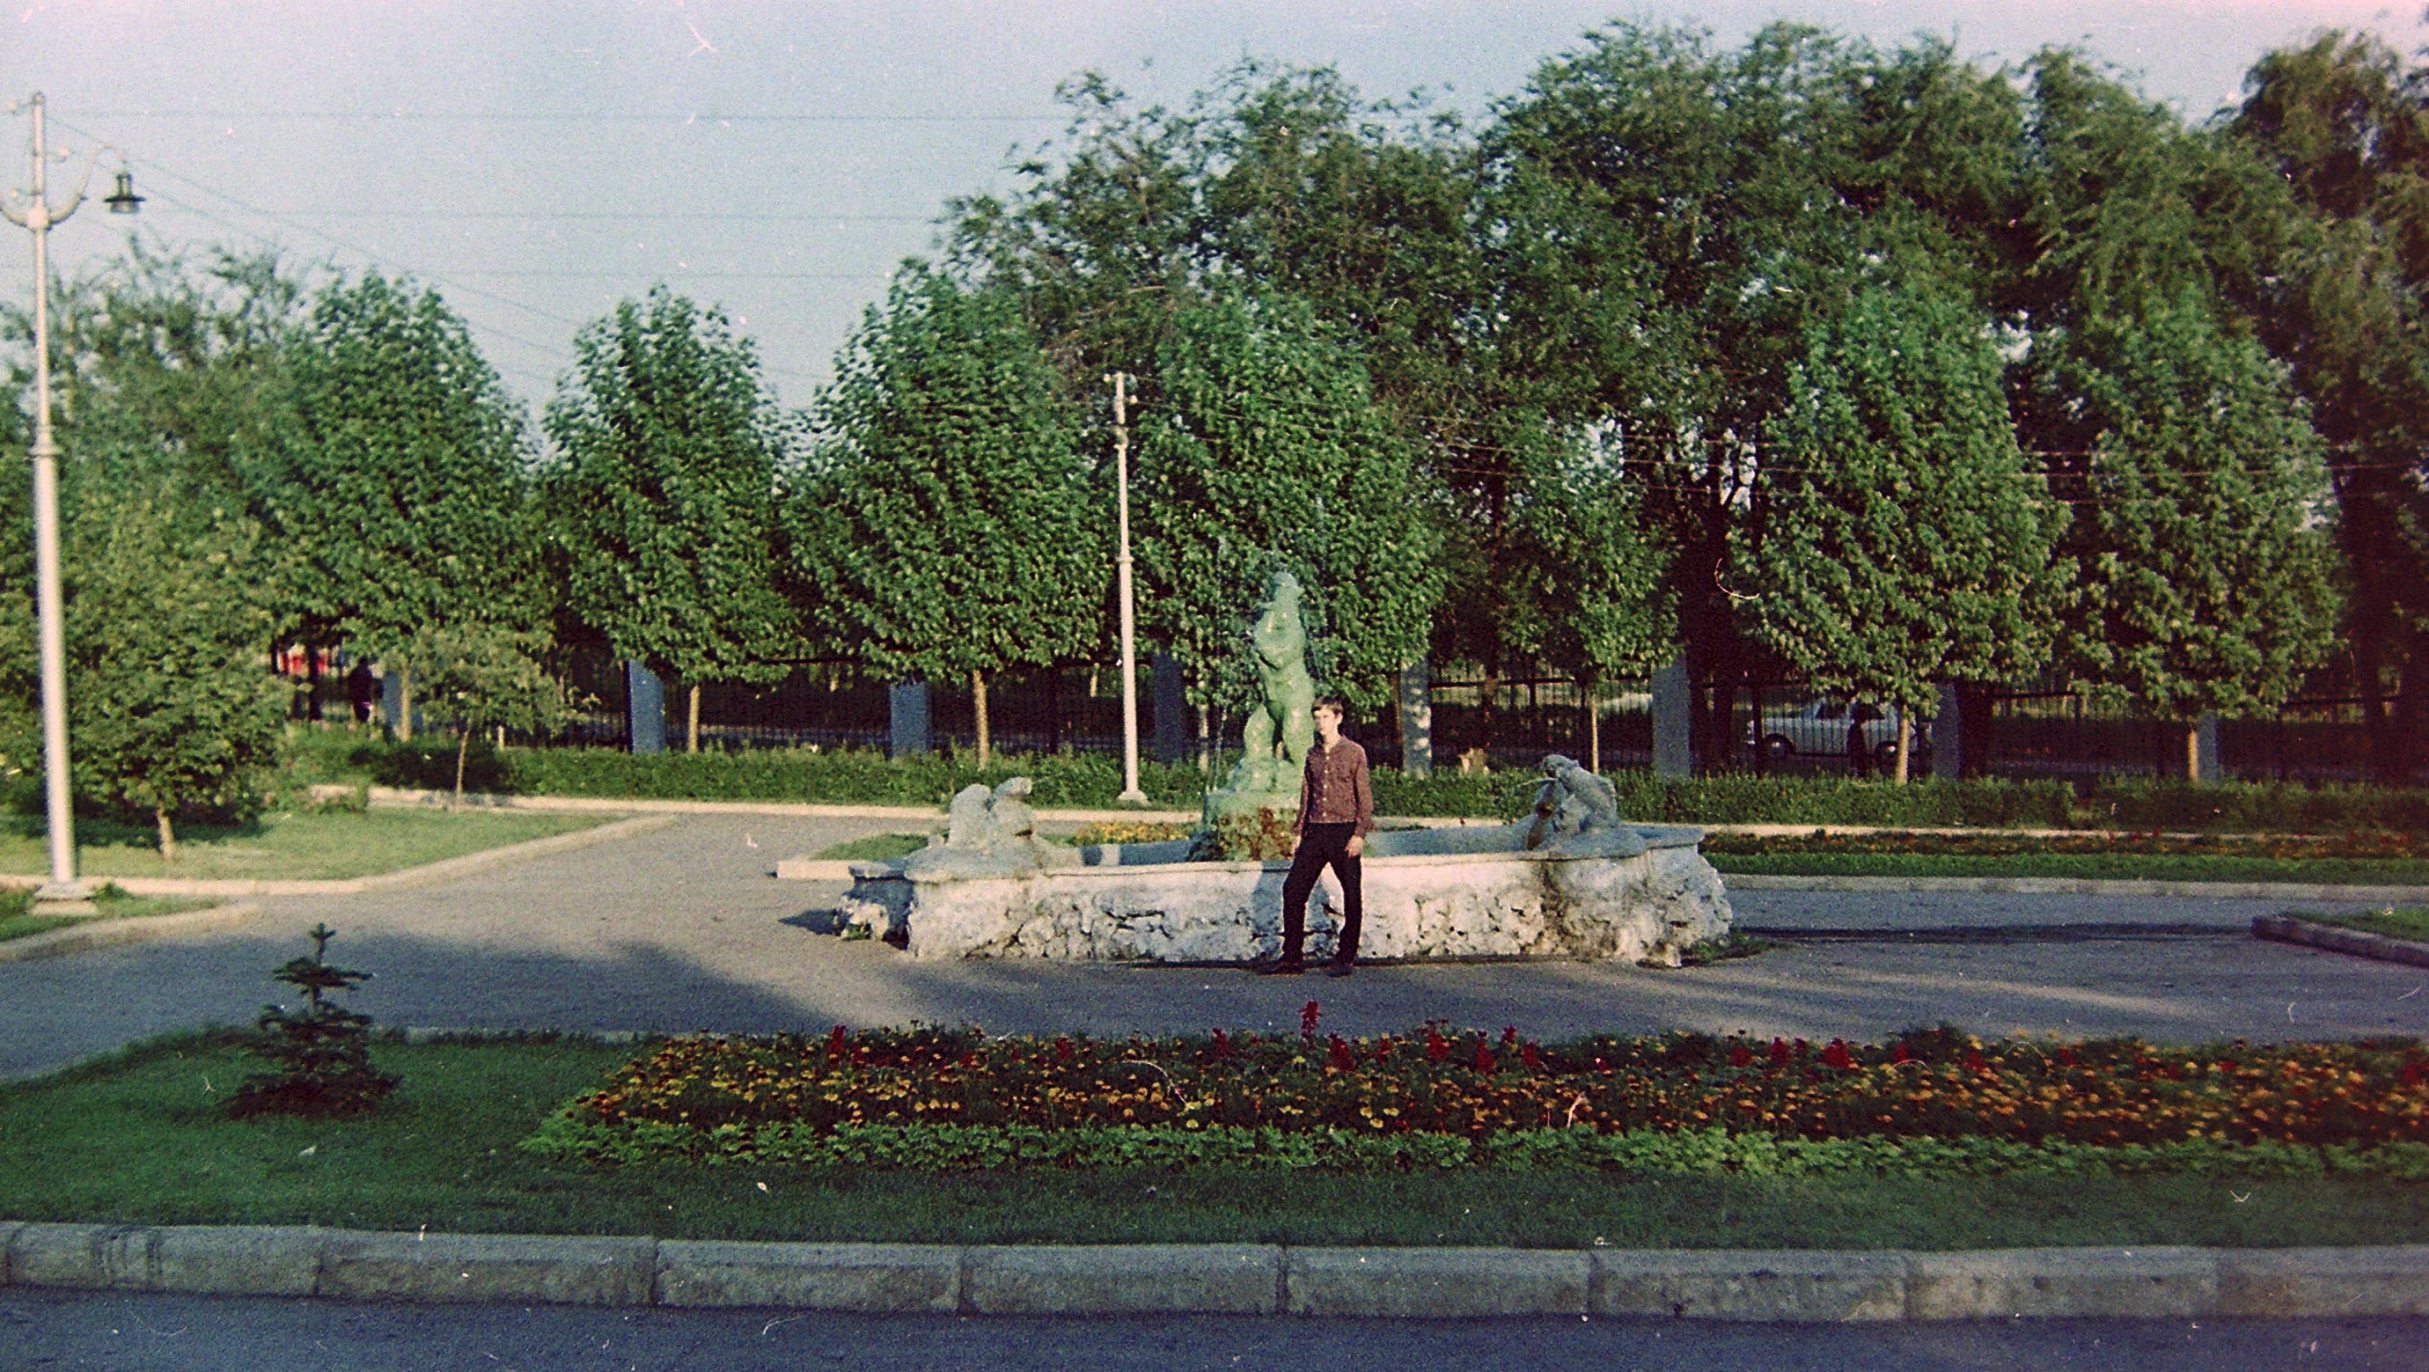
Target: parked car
[1819,727]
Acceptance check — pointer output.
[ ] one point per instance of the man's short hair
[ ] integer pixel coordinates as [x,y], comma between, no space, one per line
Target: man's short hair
[1333,703]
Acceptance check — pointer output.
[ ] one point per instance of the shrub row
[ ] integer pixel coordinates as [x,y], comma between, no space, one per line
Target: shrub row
[1090,780]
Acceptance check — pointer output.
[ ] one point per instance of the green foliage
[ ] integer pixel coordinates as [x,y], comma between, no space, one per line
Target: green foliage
[1263,450]
[1903,544]
[2198,547]
[405,501]
[947,527]
[320,1053]
[2341,121]
[170,710]
[663,491]
[478,677]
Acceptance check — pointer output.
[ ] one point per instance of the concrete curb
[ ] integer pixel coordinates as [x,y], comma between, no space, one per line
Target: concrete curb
[102,933]
[381,881]
[1246,1279]
[2361,943]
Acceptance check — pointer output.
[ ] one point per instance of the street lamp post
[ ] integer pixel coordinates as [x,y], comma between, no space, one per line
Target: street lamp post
[1131,794]
[64,894]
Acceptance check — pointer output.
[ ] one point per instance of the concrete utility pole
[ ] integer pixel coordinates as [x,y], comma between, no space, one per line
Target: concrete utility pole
[63,894]
[1131,794]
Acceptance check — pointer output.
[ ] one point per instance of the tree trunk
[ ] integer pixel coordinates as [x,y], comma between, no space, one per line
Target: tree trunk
[691,735]
[1906,745]
[312,712]
[404,705]
[1205,742]
[978,707]
[168,836]
[2192,752]
[1593,727]
[463,745]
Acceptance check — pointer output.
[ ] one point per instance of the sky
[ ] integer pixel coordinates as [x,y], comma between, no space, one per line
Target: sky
[536,161]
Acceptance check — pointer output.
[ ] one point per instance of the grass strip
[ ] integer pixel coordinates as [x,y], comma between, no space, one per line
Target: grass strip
[139,1138]
[18,921]
[325,846]
[2393,921]
[2121,866]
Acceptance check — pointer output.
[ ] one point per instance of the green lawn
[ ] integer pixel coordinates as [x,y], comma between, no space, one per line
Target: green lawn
[2331,871]
[17,921]
[2394,921]
[139,1138]
[332,845]
[1817,859]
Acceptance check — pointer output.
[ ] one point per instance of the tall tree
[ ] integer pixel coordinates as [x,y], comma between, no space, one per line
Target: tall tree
[664,488]
[1265,452]
[407,496]
[1901,542]
[2345,302]
[171,710]
[2198,536]
[947,522]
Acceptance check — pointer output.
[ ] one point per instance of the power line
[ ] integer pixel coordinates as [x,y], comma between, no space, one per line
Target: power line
[568,117]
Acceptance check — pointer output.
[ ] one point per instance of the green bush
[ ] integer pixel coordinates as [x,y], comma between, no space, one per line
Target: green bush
[1092,780]
[2279,807]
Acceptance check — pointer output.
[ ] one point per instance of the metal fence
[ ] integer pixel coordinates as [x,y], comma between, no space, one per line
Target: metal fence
[2036,731]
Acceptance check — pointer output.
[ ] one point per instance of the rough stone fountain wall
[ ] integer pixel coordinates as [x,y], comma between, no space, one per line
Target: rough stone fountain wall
[1642,894]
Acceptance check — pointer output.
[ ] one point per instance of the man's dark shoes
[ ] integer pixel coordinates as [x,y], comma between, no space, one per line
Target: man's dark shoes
[1339,969]
[1281,967]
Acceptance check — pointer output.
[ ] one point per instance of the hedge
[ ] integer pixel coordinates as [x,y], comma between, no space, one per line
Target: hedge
[1092,780]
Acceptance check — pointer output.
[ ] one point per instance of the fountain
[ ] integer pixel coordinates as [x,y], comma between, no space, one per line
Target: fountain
[1574,880]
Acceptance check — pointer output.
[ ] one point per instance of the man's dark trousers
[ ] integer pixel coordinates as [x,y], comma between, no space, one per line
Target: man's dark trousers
[1320,844]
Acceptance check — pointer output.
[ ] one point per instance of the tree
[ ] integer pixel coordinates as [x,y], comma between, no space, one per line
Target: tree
[479,676]
[1262,449]
[2198,538]
[1901,541]
[407,496]
[2345,303]
[1584,586]
[170,708]
[947,521]
[665,486]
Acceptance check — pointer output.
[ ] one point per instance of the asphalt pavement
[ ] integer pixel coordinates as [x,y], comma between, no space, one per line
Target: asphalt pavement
[684,928]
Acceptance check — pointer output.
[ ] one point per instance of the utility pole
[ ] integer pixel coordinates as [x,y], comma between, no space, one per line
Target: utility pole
[63,894]
[1131,794]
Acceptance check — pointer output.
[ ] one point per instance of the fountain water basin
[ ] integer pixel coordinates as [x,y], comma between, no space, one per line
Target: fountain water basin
[1628,892]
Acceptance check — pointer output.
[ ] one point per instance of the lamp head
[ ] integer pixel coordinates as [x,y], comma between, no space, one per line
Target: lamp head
[123,199]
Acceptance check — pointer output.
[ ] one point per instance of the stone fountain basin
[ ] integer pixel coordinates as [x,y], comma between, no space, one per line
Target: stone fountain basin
[1641,894]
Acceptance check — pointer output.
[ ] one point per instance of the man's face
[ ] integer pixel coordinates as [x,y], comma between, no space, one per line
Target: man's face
[1328,722]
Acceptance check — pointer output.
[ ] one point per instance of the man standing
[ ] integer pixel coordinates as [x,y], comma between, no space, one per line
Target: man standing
[1336,813]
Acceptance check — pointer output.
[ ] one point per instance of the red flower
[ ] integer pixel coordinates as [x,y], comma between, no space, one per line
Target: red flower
[1779,1052]
[1836,1055]
[1484,1055]
[1901,1055]
[835,1041]
[1509,1037]
[1222,1045]
[1532,1056]
[1437,1048]
[1308,1015]
[1741,1056]
[1339,1054]
[1062,1049]
[1384,1047]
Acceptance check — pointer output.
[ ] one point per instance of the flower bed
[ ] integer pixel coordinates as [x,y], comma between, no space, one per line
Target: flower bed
[958,1098]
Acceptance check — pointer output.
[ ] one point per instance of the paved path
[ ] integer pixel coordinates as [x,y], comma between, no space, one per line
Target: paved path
[684,928]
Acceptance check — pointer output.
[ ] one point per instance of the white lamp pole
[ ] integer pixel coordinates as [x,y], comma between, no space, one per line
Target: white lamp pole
[1131,794]
[64,893]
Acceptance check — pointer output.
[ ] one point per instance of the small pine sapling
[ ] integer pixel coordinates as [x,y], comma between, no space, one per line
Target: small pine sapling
[322,1053]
